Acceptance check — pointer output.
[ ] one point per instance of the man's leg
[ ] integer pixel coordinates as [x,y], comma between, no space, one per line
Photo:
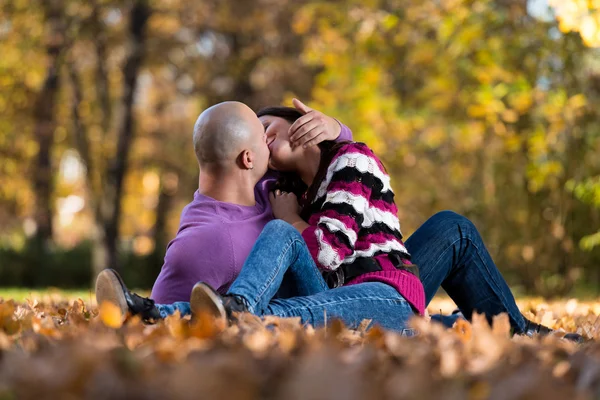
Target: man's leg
[450,253]
[279,251]
[351,304]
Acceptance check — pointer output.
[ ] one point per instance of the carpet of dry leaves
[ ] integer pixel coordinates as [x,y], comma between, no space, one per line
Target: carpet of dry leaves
[58,349]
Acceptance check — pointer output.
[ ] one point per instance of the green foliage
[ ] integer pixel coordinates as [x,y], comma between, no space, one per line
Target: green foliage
[70,268]
[588,191]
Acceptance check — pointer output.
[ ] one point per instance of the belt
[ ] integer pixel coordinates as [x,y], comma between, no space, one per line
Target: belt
[347,272]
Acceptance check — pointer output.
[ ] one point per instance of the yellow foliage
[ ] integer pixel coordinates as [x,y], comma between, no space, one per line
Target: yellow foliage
[110,315]
[60,349]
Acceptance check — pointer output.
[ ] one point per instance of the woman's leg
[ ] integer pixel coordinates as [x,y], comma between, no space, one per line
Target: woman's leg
[351,304]
[450,253]
[279,251]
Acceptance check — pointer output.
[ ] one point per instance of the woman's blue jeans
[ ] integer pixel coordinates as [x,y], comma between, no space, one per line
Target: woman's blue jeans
[447,248]
[450,253]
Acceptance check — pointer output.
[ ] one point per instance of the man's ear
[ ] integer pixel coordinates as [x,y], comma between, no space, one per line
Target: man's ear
[246,159]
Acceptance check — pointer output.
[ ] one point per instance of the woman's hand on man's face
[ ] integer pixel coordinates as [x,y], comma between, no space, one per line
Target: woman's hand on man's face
[285,206]
[313,127]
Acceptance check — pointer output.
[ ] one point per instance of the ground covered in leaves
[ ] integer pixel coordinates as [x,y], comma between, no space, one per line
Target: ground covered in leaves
[54,348]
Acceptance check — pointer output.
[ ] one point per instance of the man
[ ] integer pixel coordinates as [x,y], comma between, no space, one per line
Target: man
[229,210]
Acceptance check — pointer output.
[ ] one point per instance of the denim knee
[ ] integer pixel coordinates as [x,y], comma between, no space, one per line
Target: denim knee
[447,216]
[280,227]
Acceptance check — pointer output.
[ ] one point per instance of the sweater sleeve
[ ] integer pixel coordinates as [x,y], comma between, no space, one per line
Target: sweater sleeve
[333,230]
[345,133]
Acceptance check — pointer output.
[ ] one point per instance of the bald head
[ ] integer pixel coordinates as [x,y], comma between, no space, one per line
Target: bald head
[222,132]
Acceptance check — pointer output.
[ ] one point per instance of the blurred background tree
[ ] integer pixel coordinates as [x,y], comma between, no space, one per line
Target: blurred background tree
[485,107]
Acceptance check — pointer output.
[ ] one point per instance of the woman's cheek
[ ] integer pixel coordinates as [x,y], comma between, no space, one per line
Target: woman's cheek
[280,158]
[274,159]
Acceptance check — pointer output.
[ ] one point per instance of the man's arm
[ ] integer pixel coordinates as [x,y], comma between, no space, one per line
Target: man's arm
[200,254]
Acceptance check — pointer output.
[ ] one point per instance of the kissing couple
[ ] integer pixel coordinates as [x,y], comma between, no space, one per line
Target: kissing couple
[292,218]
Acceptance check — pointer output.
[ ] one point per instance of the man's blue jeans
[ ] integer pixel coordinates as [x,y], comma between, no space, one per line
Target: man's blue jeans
[447,248]
[279,254]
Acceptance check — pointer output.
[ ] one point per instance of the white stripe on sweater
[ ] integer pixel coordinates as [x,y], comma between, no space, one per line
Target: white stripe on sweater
[361,162]
[360,204]
[335,225]
[374,248]
[327,257]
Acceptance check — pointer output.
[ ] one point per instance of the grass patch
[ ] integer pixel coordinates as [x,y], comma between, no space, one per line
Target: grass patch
[53,294]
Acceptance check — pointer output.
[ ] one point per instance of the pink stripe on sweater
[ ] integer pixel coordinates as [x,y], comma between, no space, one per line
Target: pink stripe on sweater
[348,221]
[379,238]
[312,243]
[354,187]
[407,284]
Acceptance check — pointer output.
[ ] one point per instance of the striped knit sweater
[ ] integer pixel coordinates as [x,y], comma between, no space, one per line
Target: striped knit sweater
[356,218]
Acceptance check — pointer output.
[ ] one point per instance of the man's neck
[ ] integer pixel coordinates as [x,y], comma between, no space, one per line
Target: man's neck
[227,188]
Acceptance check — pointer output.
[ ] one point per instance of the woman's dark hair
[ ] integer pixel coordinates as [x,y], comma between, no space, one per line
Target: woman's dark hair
[290,181]
[290,114]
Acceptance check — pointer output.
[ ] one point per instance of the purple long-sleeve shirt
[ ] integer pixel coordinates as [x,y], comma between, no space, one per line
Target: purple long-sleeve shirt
[214,240]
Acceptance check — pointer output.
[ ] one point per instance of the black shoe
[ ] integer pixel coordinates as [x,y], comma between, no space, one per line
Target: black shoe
[110,287]
[532,329]
[204,299]
[576,337]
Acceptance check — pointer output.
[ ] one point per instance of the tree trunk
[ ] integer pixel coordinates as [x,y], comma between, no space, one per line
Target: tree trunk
[118,165]
[102,91]
[81,141]
[168,189]
[45,124]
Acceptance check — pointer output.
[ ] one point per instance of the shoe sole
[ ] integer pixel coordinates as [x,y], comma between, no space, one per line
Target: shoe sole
[204,300]
[109,288]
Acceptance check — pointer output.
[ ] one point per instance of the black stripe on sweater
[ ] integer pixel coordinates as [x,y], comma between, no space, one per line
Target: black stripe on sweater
[351,174]
[343,209]
[341,237]
[378,227]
